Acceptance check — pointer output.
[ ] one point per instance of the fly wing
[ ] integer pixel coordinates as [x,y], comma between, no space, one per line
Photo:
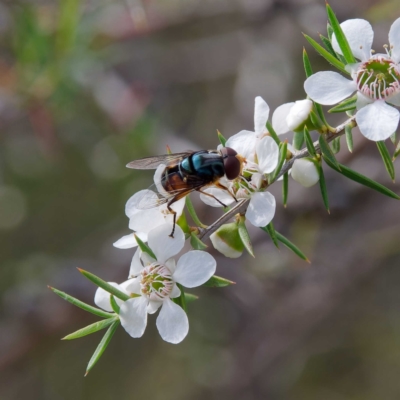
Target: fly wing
[151,198]
[154,162]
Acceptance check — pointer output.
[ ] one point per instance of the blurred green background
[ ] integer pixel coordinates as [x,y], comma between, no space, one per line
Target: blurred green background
[87,86]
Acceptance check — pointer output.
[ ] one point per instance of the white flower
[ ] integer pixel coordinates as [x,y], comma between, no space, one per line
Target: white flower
[291,116]
[305,172]
[156,284]
[141,219]
[245,142]
[376,79]
[262,204]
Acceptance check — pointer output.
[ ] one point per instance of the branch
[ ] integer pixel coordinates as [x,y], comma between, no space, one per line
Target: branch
[241,206]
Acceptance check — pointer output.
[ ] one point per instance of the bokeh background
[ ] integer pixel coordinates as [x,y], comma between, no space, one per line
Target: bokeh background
[87,86]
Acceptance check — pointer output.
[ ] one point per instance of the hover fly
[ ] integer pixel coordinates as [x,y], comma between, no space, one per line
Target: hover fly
[187,172]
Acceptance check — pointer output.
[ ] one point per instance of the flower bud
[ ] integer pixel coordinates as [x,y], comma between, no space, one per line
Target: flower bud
[299,114]
[305,172]
[227,240]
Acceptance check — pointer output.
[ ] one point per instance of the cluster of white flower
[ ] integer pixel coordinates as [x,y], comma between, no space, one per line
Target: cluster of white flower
[155,280]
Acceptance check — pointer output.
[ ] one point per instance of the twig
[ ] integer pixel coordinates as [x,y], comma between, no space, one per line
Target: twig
[241,207]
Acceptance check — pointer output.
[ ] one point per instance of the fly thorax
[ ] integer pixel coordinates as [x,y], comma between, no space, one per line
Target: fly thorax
[378,78]
[156,282]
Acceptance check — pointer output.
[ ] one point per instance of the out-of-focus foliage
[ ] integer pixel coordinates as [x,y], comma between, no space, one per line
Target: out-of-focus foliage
[87,86]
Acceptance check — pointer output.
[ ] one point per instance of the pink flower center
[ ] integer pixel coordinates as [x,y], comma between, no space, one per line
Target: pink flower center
[378,78]
[156,282]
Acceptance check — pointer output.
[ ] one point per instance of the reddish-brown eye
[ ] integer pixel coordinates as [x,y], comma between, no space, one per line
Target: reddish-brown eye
[231,163]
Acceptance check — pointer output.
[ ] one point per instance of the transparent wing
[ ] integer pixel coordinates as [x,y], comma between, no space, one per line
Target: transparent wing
[154,162]
[151,198]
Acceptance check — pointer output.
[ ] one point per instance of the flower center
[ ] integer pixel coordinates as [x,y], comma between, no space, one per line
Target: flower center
[378,78]
[156,282]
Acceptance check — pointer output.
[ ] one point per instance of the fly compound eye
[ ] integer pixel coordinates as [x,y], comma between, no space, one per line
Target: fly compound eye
[231,163]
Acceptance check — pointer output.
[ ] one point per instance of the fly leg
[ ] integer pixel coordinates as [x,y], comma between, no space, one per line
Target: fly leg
[174,213]
[221,186]
[210,195]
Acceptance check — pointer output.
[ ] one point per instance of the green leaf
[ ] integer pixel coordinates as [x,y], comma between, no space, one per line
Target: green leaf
[393,137]
[345,105]
[396,152]
[335,145]
[307,64]
[320,113]
[282,158]
[192,212]
[104,285]
[309,143]
[322,186]
[340,37]
[349,137]
[270,229]
[181,300]
[221,138]
[329,31]
[196,243]
[102,346]
[190,297]
[289,245]
[387,160]
[87,330]
[244,235]
[272,132]
[218,282]
[324,53]
[326,151]
[328,46]
[182,223]
[285,188]
[363,180]
[114,304]
[298,140]
[81,304]
[146,249]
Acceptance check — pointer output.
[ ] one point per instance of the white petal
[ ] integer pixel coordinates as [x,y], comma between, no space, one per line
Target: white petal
[244,143]
[256,180]
[261,114]
[220,194]
[360,35]
[394,40]
[129,241]
[176,292]
[172,322]
[305,172]
[157,179]
[328,87]
[377,121]
[154,306]
[395,100]
[171,265]
[133,316]
[267,154]
[145,220]
[102,298]
[261,209]
[148,219]
[362,101]
[131,286]
[299,114]
[194,268]
[163,245]
[279,118]
[136,265]
[133,202]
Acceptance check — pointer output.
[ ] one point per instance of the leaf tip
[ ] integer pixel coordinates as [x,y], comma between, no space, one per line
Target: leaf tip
[86,374]
[307,260]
